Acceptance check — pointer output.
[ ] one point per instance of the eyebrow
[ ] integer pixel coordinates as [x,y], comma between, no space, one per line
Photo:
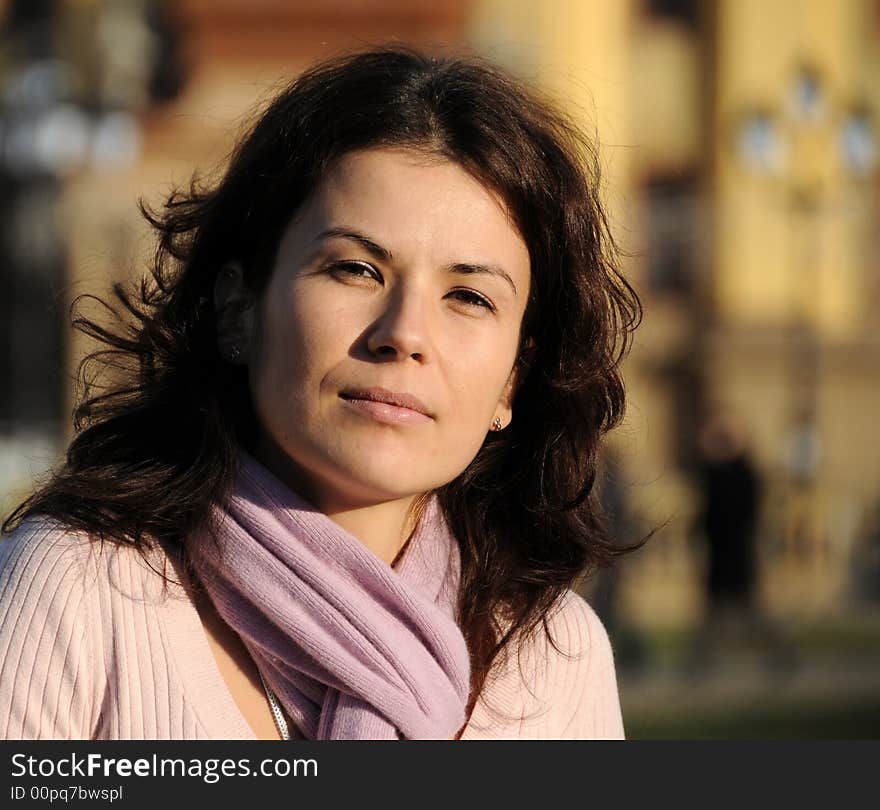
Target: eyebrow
[383,254]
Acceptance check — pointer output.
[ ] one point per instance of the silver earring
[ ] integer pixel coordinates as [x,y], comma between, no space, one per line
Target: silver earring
[234,354]
[496,425]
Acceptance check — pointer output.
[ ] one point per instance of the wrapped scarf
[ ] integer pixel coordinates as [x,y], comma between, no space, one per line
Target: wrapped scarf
[352,648]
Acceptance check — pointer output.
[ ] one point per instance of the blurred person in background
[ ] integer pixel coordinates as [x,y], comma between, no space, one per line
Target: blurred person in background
[730,495]
[866,558]
[341,480]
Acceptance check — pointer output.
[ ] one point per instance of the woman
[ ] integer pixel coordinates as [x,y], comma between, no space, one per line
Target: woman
[342,480]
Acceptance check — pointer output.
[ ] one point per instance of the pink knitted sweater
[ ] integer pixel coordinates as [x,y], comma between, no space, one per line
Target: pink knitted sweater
[90,648]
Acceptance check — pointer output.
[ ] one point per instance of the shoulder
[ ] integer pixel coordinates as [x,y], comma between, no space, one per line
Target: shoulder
[73,616]
[42,551]
[50,578]
[559,682]
[48,686]
[577,631]
[44,563]
[573,655]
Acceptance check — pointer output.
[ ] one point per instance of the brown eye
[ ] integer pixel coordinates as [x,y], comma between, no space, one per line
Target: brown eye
[357,269]
[473,299]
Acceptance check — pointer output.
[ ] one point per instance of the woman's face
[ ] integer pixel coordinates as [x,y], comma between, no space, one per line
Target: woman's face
[401,274]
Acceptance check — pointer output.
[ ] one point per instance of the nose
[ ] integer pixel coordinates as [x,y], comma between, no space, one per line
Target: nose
[401,330]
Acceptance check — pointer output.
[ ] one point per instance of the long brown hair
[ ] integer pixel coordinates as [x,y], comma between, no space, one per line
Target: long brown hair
[153,451]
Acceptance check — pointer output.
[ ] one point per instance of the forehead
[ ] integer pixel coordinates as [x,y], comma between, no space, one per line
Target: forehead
[414,205]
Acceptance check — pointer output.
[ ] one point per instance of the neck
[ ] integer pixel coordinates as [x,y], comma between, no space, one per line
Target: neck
[383,526]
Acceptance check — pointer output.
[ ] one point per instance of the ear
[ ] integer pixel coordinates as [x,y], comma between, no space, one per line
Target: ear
[504,409]
[234,308]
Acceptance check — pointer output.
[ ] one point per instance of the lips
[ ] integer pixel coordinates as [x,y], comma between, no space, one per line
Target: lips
[396,398]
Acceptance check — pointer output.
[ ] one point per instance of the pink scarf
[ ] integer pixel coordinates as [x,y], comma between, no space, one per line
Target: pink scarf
[352,648]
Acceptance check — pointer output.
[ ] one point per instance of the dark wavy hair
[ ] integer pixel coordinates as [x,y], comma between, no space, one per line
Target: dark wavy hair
[155,448]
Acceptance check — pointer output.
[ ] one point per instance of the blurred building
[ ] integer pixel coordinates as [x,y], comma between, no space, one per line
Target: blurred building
[740,147]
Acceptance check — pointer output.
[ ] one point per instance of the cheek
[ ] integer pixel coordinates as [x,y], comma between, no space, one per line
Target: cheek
[480,378]
[288,353]
[299,330]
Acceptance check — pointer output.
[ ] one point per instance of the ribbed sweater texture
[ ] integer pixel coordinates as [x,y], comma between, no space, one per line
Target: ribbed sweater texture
[92,648]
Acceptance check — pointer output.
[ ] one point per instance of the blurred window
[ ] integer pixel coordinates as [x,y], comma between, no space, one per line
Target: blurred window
[682,11]
[32,355]
[672,230]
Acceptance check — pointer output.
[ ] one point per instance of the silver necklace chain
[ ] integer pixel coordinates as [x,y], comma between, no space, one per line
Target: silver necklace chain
[280,722]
